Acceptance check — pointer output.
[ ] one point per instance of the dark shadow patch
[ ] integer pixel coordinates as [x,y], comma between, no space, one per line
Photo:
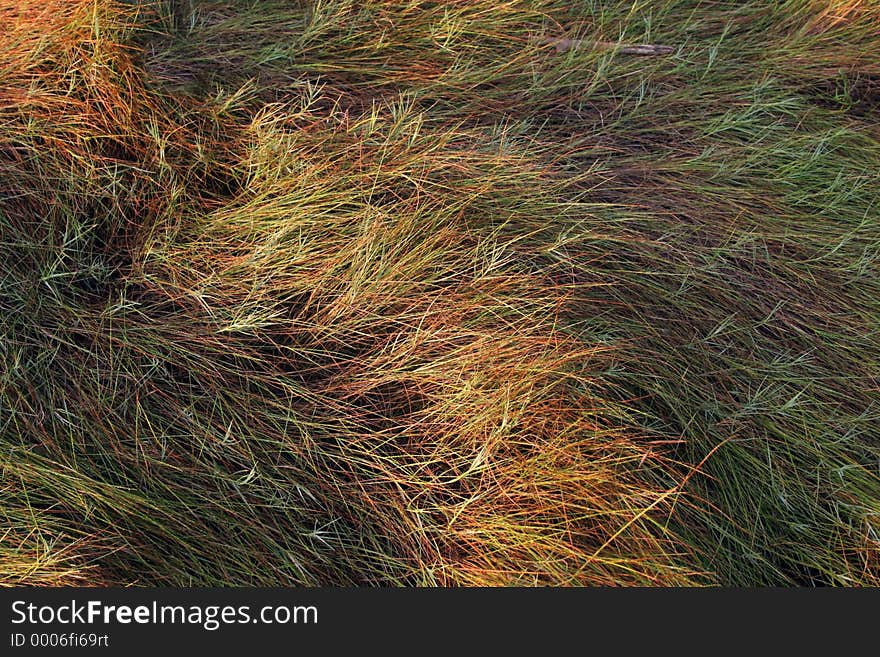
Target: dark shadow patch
[855,93]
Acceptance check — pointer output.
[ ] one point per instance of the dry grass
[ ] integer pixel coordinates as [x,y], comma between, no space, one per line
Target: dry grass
[398,294]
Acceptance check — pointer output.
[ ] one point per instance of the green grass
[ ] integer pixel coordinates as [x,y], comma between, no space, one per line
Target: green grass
[387,293]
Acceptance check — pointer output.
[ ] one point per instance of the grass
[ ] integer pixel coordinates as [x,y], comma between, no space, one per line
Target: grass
[386,293]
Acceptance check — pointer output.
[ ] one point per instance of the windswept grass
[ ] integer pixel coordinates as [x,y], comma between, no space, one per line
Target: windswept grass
[385,293]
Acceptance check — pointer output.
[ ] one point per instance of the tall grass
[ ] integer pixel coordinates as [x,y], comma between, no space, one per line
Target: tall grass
[388,293]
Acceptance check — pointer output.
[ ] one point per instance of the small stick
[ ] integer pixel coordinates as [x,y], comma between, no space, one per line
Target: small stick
[564,44]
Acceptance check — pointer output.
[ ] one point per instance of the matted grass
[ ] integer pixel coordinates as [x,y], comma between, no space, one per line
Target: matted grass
[383,293]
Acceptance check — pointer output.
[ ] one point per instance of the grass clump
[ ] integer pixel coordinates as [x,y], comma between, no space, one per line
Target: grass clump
[402,294]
